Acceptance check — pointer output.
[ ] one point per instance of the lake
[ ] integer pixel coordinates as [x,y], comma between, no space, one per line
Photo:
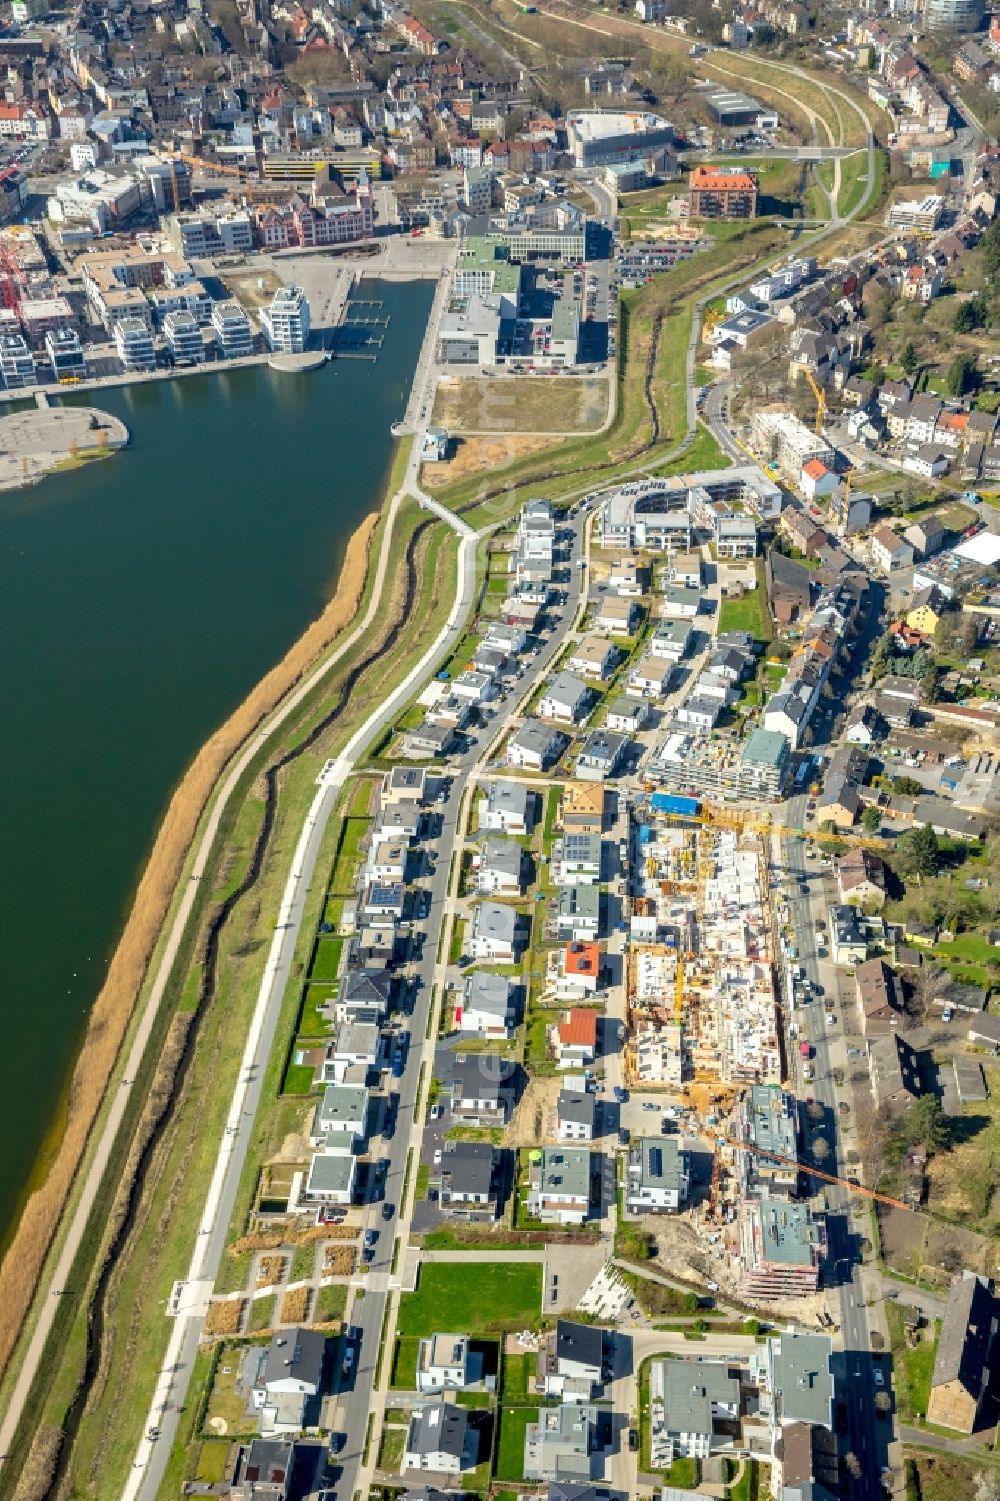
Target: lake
[141,597]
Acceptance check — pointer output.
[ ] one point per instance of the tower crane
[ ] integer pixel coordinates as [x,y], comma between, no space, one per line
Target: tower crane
[820,396]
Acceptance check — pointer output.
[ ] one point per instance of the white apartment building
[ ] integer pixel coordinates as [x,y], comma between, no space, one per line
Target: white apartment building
[286,321]
[232,330]
[134,344]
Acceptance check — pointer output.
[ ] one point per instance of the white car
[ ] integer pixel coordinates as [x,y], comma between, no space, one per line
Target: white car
[831,1020]
[437,1157]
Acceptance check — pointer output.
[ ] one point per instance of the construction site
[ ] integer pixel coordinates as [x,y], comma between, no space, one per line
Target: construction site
[701,1005]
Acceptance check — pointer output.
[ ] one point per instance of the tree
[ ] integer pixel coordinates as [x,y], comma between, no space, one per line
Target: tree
[970,314]
[926,1125]
[989,246]
[909,359]
[907,786]
[961,376]
[928,678]
[871,820]
[852,1465]
[917,852]
[883,1404]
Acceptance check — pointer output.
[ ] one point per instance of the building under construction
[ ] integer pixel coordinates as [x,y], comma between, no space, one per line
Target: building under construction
[701,995]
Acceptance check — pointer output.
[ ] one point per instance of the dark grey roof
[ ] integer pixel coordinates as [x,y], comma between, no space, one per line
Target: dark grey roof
[295,1353]
[481,1076]
[576,1106]
[470,1166]
[438,1429]
[366,987]
[580,1342]
[967,1334]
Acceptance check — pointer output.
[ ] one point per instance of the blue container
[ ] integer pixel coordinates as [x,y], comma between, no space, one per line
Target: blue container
[668,802]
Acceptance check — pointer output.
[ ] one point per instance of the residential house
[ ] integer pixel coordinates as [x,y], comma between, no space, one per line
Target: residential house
[482,1089]
[964,1365]
[501,867]
[331,1177]
[446,1362]
[848,940]
[649,678]
[536,746]
[861,878]
[576,1115]
[838,803]
[579,973]
[602,755]
[341,1117]
[659,1175]
[561,1445]
[926,537]
[576,1036]
[488,1008]
[671,639]
[680,603]
[441,1439]
[627,716]
[559,1186]
[617,616]
[581,808]
[506,808]
[879,999]
[578,913]
[864,726]
[574,1362]
[566,700]
[788,587]
[893,1071]
[890,553]
[576,860]
[495,933]
[289,1381]
[694,1409]
[469,1179]
[926,611]
[594,657]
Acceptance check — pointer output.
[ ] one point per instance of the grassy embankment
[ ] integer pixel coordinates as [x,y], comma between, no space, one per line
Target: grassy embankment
[164,1253]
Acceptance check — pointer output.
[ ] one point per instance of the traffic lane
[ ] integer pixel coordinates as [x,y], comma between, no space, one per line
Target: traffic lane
[862,1421]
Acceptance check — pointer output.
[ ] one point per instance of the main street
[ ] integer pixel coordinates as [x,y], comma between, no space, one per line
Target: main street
[361,1398]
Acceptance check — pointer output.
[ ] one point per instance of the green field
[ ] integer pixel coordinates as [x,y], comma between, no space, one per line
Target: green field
[510,1445]
[912,1366]
[518,1377]
[749,613]
[472,1299]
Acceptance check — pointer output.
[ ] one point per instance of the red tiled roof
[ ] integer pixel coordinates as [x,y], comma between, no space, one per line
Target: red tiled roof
[579,1029]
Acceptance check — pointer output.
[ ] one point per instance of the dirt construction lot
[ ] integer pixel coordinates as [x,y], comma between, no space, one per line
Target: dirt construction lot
[521,404]
[479,456]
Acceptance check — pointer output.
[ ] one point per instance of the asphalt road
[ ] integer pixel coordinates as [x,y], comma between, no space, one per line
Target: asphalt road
[856,1385]
[369,1315]
[172,1383]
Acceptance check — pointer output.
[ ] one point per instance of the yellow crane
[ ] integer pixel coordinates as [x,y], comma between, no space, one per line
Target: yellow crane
[818,392]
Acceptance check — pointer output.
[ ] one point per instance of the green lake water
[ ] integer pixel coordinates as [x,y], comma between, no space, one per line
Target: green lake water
[141,597]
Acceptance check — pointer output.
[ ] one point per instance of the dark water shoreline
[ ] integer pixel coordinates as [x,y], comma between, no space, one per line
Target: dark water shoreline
[141,598]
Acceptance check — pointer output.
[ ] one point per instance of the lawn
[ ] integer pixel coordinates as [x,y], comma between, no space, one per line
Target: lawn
[510,1445]
[262,1312]
[312,1023]
[749,613]
[659,1301]
[326,959]
[404,1365]
[330,1303]
[472,1299]
[390,1450]
[299,1077]
[518,1378]
[912,1368]
[969,946]
[352,832]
